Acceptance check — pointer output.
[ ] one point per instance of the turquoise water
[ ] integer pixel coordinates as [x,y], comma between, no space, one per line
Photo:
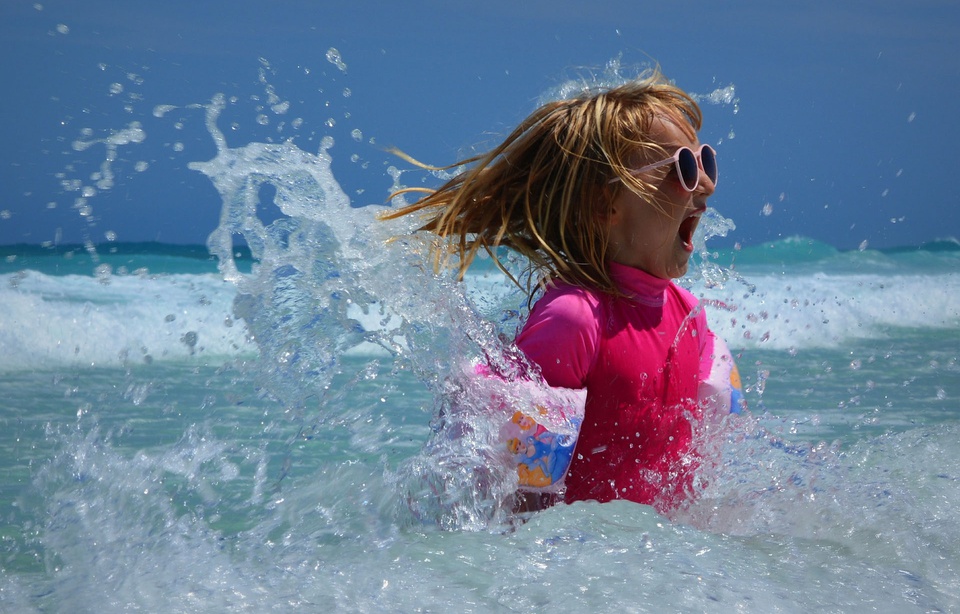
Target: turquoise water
[147,468]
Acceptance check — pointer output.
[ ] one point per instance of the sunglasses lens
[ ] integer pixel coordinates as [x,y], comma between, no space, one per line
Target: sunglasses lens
[709,160]
[689,170]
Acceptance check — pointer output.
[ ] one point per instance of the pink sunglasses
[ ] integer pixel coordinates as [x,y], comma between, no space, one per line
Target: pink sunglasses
[688,164]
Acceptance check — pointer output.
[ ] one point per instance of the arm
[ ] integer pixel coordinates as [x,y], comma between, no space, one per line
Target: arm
[720,388]
[561,336]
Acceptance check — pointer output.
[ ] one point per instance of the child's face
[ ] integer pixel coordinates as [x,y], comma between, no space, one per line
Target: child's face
[643,237]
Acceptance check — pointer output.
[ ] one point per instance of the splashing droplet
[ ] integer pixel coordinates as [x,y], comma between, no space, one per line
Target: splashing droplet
[333,56]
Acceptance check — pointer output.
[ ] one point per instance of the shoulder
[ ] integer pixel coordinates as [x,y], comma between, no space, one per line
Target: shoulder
[567,303]
[562,334]
[688,303]
[682,295]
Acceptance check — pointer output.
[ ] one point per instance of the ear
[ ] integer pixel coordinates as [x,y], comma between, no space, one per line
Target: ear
[614,218]
[615,214]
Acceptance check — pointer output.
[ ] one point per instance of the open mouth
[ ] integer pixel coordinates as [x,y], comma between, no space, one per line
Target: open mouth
[687,228]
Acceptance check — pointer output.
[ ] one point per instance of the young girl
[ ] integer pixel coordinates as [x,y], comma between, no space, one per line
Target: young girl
[602,193]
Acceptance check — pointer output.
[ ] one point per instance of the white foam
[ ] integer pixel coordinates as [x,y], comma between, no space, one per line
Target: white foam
[63,320]
[81,320]
[825,310]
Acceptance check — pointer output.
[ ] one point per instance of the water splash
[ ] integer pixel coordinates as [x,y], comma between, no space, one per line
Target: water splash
[327,281]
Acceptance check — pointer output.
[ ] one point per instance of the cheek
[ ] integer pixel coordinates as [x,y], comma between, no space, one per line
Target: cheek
[676,204]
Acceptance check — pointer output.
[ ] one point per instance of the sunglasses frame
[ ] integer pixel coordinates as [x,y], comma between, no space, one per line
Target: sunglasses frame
[675,159]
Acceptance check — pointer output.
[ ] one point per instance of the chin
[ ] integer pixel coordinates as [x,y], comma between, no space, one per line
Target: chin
[680,262]
[680,270]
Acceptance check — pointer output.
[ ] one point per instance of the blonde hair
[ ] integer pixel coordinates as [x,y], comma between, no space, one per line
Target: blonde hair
[546,190]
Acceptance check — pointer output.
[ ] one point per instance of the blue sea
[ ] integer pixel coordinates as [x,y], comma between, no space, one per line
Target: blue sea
[254,425]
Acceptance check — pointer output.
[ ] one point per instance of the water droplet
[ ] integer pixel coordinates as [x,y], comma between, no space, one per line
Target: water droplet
[333,56]
[103,273]
[162,109]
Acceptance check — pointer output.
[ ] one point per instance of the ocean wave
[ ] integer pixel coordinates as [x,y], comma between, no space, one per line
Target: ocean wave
[804,253]
[114,319]
[782,311]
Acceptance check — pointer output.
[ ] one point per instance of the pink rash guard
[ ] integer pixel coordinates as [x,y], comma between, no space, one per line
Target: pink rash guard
[641,358]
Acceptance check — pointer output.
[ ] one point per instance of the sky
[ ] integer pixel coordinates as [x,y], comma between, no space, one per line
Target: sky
[840,128]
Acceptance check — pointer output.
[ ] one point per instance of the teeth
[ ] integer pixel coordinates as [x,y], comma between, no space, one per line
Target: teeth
[687,228]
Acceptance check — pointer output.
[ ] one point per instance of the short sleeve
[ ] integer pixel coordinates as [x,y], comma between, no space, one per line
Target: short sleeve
[561,336]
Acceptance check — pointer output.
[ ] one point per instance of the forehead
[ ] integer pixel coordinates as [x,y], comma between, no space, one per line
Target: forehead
[670,133]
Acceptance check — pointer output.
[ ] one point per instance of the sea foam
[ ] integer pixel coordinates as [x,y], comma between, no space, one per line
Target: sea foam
[783,311]
[86,321]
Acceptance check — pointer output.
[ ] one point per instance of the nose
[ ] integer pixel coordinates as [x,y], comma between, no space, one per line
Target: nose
[706,156]
[706,186]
